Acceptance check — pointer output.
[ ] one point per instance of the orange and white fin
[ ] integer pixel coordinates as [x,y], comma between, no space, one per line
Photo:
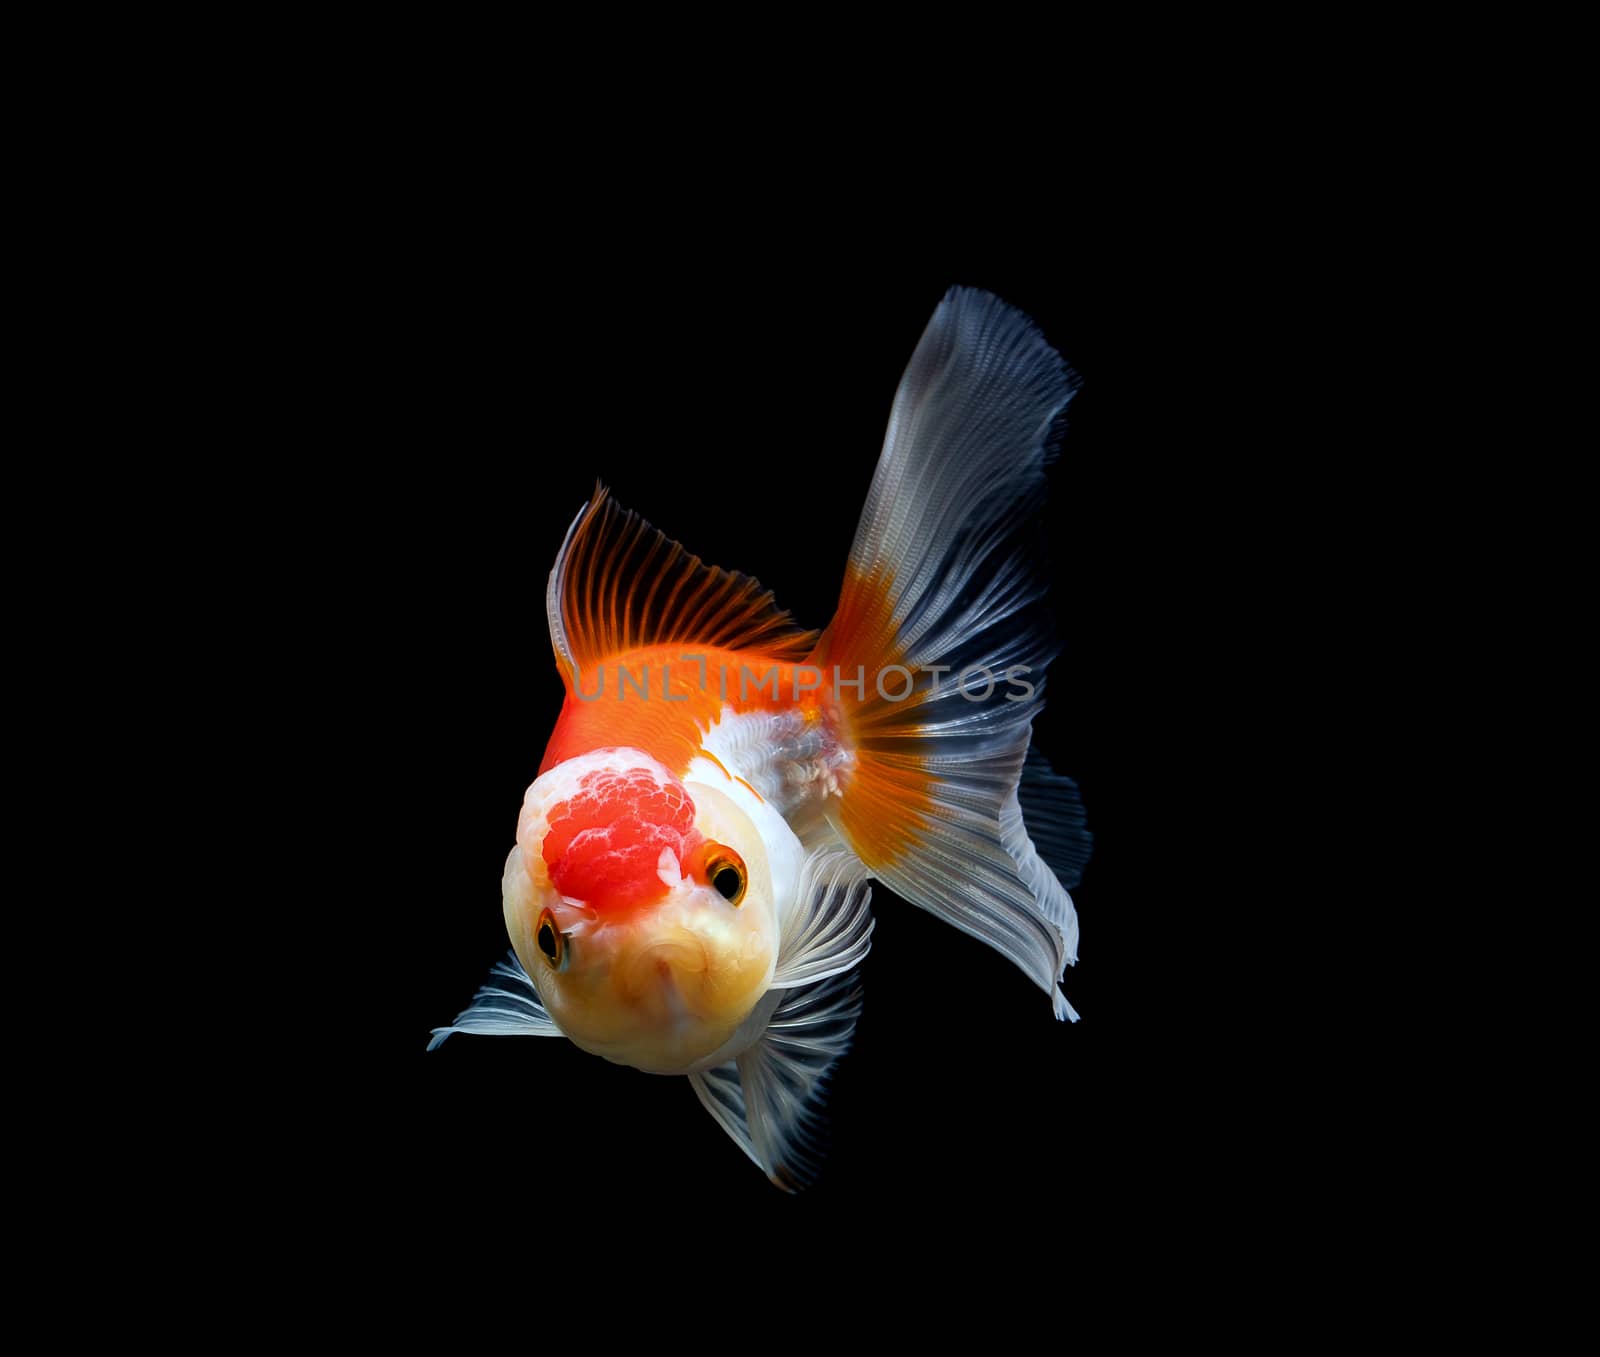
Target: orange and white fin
[941,615]
[619,584]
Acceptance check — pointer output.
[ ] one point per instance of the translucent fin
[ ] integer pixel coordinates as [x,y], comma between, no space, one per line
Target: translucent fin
[619,584]
[941,578]
[719,1093]
[1049,895]
[830,927]
[1053,812]
[502,1010]
[770,1100]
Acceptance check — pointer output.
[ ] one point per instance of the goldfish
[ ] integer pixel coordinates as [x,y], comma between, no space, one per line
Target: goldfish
[689,891]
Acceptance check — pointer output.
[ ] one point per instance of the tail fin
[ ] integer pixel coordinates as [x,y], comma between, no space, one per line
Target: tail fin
[940,614]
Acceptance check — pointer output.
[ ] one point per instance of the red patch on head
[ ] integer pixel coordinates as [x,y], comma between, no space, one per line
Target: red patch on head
[604,843]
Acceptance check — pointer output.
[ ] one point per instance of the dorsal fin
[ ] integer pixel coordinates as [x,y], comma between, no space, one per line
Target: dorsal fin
[619,584]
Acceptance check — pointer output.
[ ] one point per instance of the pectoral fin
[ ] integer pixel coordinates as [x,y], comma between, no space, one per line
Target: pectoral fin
[829,930]
[770,1100]
[511,1009]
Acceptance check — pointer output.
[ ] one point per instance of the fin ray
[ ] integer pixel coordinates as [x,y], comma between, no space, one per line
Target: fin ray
[830,927]
[770,1099]
[509,1010]
[941,582]
[719,1093]
[619,584]
[1052,809]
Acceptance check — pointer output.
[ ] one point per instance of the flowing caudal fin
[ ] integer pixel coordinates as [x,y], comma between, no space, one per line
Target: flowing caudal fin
[1056,824]
[1042,827]
[941,620]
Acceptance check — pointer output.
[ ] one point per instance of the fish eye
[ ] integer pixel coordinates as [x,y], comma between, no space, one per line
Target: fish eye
[552,942]
[726,873]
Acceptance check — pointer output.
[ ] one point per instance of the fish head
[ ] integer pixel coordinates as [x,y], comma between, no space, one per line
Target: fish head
[642,907]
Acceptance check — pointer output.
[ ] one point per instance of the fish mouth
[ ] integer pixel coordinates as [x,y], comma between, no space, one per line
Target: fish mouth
[660,1001]
[666,971]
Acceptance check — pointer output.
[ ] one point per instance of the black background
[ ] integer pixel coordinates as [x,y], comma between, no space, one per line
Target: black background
[739,404]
